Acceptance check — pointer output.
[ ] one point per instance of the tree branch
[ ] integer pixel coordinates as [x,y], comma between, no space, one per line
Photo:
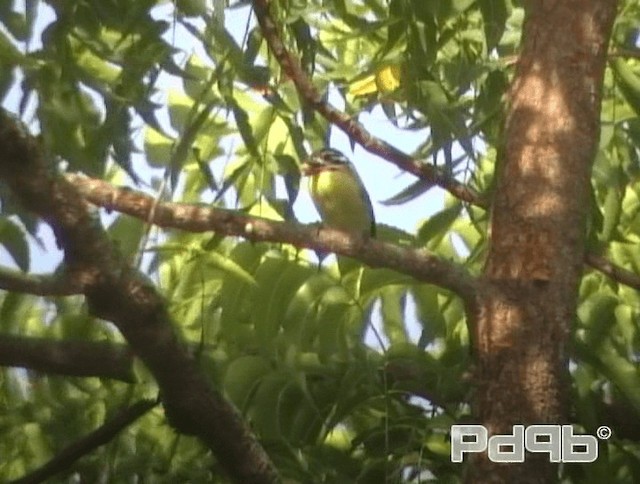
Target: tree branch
[122,295]
[72,358]
[194,218]
[417,263]
[84,446]
[38,284]
[291,65]
[617,273]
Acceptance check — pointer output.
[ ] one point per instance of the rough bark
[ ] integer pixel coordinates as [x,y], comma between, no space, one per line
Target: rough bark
[116,292]
[524,316]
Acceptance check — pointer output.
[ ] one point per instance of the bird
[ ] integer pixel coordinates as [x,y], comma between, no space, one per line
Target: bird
[338,193]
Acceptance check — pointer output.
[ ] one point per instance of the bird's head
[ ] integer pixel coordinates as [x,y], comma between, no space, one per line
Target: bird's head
[326,159]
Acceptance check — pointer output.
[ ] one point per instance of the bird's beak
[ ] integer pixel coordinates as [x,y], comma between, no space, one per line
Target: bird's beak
[309,168]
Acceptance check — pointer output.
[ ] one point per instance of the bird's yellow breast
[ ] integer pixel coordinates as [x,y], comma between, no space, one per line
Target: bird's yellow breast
[341,201]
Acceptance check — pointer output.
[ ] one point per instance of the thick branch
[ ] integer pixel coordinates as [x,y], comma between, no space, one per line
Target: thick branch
[291,65]
[72,358]
[617,273]
[419,264]
[39,285]
[120,294]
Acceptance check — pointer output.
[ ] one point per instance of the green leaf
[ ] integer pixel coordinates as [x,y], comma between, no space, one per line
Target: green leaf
[238,173]
[265,404]
[612,210]
[393,303]
[9,53]
[126,233]
[437,226]
[186,142]
[597,314]
[244,126]
[158,147]
[192,8]
[622,372]
[15,242]
[495,14]
[628,82]
[243,376]
[16,24]
[299,319]
[429,313]
[278,281]
[409,193]
[230,267]
[236,296]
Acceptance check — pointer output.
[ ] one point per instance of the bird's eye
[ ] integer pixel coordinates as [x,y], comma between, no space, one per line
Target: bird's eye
[329,157]
[335,158]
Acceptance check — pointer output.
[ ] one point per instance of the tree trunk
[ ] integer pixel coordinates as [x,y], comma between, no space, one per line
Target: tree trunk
[524,315]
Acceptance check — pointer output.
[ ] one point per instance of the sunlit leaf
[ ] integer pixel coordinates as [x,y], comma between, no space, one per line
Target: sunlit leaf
[13,238]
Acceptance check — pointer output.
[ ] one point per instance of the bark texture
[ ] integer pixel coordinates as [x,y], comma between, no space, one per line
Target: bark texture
[528,304]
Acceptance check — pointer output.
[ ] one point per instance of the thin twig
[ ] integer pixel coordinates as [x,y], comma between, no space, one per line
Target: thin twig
[84,446]
[615,272]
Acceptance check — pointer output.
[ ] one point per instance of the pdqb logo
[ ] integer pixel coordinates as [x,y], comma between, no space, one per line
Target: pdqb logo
[557,441]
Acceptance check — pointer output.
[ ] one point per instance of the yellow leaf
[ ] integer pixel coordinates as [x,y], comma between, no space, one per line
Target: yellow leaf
[388,78]
[363,86]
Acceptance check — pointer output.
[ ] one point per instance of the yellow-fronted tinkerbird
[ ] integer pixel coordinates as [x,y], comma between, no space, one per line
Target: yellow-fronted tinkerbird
[338,193]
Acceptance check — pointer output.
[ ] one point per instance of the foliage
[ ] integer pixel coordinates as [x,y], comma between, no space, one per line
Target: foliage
[322,363]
